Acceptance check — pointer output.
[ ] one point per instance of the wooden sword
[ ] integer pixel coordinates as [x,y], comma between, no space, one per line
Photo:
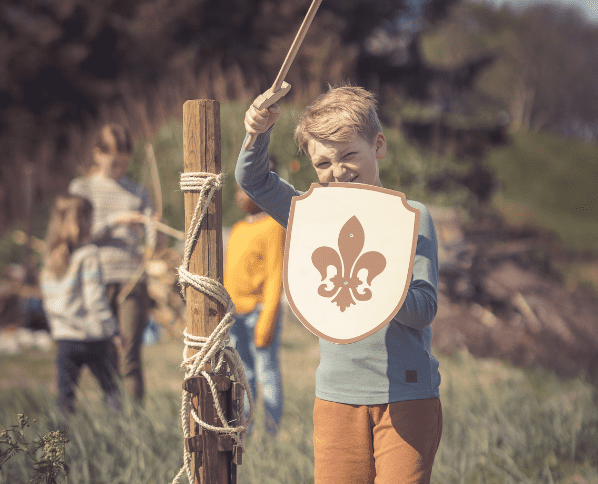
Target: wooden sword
[280,87]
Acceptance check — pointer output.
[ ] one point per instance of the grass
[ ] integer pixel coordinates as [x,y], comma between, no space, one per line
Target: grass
[501,424]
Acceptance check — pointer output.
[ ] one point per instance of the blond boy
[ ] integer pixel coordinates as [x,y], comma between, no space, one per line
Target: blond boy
[377,414]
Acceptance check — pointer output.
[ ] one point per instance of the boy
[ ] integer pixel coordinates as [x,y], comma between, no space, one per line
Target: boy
[253,278]
[377,413]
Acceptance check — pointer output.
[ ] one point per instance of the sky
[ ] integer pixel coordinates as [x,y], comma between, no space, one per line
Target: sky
[590,7]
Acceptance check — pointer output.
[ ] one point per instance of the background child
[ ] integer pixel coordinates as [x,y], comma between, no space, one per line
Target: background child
[253,278]
[377,413]
[119,206]
[78,312]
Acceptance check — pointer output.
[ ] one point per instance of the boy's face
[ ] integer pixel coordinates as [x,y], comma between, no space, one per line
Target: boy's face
[354,161]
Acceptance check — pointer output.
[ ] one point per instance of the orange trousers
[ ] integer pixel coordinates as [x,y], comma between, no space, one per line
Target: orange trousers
[393,443]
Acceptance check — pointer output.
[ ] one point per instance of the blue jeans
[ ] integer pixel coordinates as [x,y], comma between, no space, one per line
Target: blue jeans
[261,364]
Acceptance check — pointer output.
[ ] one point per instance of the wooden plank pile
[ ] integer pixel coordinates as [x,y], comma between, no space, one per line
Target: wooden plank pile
[498,299]
[168,307]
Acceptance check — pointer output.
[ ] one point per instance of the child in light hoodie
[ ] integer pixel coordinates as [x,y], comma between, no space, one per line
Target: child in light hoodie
[75,304]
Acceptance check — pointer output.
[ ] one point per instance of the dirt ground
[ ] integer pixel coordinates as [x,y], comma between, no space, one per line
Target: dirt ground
[500,298]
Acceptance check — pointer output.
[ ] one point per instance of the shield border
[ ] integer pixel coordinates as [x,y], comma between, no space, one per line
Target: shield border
[289,297]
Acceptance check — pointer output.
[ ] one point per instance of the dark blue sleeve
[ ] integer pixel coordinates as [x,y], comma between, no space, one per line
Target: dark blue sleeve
[421,303]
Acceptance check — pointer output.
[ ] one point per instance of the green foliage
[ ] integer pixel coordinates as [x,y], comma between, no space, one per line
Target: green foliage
[540,72]
[545,180]
[168,151]
[290,457]
[10,253]
[550,182]
[68,67]
[405,168]
[46,453]
[410,170]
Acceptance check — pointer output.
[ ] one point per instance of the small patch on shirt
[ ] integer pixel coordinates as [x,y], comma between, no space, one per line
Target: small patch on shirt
[411,376]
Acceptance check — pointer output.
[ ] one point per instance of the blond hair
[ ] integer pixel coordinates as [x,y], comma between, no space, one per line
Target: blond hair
[338,115]
[68,229]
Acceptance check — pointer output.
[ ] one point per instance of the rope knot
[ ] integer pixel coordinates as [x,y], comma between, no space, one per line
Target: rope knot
[214,349]
[195,181]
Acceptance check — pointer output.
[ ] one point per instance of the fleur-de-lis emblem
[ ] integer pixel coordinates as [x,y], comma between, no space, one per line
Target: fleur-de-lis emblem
[345,282]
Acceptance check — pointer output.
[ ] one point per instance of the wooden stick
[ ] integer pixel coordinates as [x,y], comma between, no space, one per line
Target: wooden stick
[280,88]
[201,148]
[286,65]
[527,312]
[153,166]
[166,229]
[162,227]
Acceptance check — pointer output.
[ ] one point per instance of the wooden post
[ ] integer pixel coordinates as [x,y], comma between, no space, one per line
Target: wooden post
[201,146]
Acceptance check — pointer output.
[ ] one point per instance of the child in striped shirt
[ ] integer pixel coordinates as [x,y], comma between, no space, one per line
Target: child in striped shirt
[121,208]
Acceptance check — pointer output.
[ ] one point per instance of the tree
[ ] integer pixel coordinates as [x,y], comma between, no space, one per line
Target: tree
[545,72]
[69,65]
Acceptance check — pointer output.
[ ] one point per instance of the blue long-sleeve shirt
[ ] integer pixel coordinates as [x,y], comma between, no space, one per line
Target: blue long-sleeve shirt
[394,363]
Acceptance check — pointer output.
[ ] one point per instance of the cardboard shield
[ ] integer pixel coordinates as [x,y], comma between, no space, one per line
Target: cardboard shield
[348,258]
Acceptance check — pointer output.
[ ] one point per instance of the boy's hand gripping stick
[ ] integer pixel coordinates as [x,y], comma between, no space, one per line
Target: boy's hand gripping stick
[280,87]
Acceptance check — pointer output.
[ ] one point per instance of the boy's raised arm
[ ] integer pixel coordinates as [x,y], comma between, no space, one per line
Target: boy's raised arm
[272,194]
[260,121]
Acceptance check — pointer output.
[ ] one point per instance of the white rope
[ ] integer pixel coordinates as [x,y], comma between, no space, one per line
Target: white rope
[214,349]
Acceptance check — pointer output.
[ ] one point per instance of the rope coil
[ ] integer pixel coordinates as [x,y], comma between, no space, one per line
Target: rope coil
[214,349]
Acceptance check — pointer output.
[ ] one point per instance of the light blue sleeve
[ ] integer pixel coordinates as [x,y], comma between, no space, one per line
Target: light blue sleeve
[270,192]
[421,303]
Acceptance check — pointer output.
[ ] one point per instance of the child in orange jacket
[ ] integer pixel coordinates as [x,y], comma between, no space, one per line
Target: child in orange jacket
[253,278]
